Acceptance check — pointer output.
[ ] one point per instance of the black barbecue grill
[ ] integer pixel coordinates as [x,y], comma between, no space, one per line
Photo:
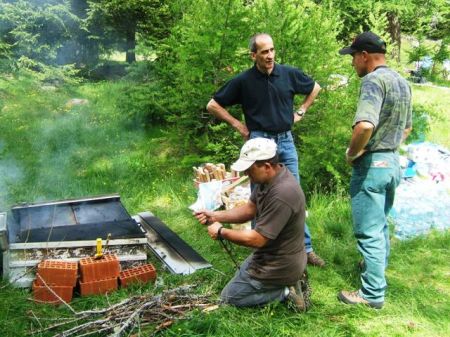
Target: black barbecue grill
[71,220]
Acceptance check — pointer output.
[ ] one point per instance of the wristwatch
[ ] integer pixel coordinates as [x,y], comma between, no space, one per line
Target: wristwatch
[219,233]
[300,112]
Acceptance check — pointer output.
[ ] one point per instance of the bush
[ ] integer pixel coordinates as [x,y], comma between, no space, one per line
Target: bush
[421,124]
[141,100]
[209,46]
[140,103]
[323,136]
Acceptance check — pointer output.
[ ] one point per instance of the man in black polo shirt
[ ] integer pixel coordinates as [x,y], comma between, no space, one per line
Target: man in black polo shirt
[266,93]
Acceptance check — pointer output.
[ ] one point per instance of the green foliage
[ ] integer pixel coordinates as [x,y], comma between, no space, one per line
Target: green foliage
[438,52]
[51,150]
[127,18]
[210,45]
[140,103]
[67,74]
[429,18]
[377,21]
[442,52]
[5,50]
[439,56]
[435,101]
[308,43]
[141,100]
[6,61]
[36,29]
[203,50]
[421,124]
[227,150]
[418,52]
[324,135]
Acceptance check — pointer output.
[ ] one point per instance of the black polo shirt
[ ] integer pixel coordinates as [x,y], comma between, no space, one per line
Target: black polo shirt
[267,100]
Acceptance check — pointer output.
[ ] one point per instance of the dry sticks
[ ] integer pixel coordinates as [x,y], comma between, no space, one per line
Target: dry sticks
[121,318]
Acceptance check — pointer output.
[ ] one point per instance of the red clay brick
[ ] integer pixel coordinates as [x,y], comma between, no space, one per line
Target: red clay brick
[98,287]
[43,294]
[143,274]
[99,269]
[57,272]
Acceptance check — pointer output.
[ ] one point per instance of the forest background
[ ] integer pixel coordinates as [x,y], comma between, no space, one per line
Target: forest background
[146,70]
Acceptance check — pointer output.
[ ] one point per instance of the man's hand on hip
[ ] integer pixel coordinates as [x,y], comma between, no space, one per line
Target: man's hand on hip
[297,118]
[350,159]
[243,130]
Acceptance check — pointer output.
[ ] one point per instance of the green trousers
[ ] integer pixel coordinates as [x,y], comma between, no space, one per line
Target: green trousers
[374,179]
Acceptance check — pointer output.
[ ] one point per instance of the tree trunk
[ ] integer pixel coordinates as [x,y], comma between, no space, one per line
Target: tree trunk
[394,31]
[87,52]
[131,43]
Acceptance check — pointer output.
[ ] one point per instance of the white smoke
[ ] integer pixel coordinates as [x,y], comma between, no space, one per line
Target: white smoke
[10,174]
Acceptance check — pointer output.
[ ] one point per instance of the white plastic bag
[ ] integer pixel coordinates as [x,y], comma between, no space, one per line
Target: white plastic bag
[208,196]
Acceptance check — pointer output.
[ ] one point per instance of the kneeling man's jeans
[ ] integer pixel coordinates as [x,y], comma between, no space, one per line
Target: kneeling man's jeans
[372,188]
[245,291]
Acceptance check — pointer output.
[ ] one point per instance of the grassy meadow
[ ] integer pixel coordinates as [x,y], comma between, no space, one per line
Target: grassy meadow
[437,101]
[54,148]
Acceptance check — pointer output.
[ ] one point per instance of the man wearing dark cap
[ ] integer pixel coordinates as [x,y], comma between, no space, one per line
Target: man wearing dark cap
[382,121]
[266,94]
[275,270]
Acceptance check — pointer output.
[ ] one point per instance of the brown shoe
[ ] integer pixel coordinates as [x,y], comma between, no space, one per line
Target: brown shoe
[295,299]
[299,296]
[354,297]
[315,260]
[306,290]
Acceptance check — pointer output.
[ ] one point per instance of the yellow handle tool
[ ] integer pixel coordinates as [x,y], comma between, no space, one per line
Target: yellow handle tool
[99,253]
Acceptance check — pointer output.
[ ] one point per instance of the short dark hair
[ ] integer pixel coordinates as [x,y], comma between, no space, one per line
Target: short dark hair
[252,43]
[272,161]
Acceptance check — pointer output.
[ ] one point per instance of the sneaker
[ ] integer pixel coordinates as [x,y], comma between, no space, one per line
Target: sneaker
[306,290]
[354,297]
[315,260]
[299,296]
[295,299]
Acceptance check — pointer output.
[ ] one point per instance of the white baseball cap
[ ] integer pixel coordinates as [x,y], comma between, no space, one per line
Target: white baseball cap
[253,150]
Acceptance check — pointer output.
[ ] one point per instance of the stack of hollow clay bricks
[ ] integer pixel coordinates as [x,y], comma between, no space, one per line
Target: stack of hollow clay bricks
[97,276]
[55,280]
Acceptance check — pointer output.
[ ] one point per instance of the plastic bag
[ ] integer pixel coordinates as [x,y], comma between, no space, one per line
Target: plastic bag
[209,196]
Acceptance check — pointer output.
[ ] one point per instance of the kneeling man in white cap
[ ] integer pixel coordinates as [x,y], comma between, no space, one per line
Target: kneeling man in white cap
[276,268]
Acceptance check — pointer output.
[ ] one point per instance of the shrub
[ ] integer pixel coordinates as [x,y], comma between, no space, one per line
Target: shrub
[209,46]
[323,136]
[140,104]
[141,99]
[421,124]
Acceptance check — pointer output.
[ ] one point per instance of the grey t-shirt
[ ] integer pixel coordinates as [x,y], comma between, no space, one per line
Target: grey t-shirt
[280,217]
[385,101]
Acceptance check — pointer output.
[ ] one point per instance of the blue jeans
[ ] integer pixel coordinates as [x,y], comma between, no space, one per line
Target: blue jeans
[245,291]
[374,179]
[288,156]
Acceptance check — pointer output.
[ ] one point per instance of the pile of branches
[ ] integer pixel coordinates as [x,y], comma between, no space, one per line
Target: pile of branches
[161,311]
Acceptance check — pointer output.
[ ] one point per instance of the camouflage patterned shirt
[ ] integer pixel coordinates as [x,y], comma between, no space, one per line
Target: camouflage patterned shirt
[385,101]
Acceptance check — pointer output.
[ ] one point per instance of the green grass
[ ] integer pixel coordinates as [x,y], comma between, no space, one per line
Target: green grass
[49,150]
[437,101]
[434,96]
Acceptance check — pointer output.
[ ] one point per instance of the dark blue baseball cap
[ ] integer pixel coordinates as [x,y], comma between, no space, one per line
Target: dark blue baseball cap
[366,41]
